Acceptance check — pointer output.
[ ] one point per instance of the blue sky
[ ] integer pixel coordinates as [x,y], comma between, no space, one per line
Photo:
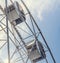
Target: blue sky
[51,30]
[50,27]
[47,15]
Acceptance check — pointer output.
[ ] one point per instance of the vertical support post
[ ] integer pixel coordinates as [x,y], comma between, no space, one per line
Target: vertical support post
[7,32]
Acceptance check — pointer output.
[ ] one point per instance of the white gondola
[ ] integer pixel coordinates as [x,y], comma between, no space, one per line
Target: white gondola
[15,13]
[37,53]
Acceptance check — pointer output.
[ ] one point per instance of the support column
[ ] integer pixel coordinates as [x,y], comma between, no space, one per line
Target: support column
[8,48]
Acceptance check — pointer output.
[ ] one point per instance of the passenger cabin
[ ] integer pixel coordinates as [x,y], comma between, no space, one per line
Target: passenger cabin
[15,13]
[37,53]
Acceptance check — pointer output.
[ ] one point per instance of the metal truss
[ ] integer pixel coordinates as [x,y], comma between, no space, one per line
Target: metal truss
[15,37]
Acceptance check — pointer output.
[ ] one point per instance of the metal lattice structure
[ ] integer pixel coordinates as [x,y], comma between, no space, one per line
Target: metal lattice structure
[22,35]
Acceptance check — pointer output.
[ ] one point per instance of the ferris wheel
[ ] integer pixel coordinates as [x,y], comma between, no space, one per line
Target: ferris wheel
[23,35]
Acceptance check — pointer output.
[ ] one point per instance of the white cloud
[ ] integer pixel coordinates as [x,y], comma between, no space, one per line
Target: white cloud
[40,6]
